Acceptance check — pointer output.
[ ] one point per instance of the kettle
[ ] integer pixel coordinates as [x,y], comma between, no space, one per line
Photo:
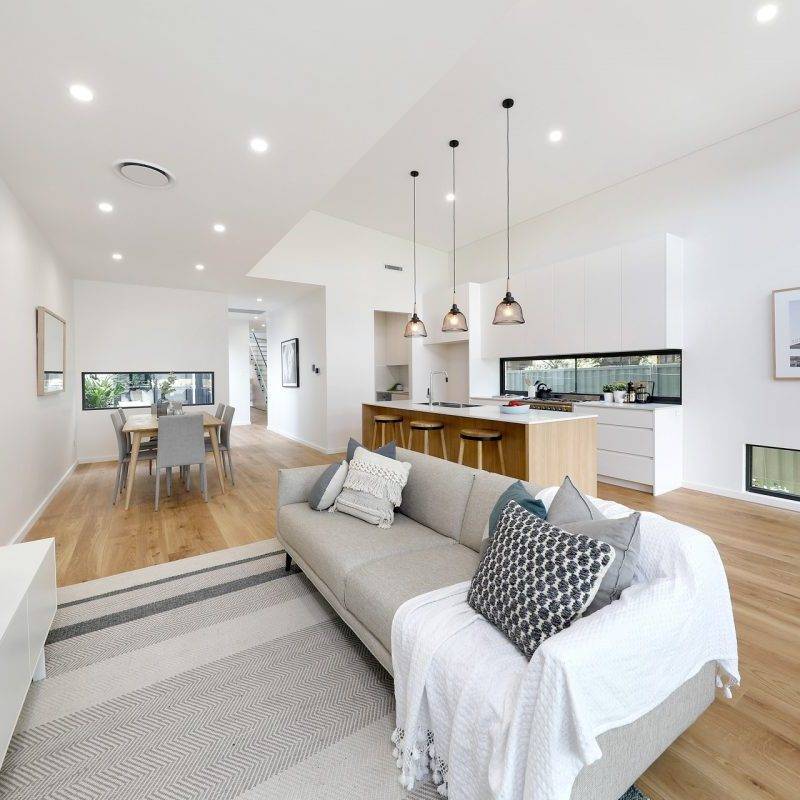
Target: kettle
[543,391]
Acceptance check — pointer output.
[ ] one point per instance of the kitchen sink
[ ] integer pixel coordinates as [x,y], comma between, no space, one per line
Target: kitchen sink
[449,405]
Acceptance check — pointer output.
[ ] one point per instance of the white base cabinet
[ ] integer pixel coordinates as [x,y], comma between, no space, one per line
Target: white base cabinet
[27,607]
[639,446]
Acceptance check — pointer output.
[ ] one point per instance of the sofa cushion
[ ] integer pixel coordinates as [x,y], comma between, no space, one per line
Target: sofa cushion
[486,491]
[376,590]
[436,493]
[570,504]
[334,544]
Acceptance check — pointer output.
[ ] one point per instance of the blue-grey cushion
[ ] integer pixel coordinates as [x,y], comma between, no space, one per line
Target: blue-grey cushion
[623,535]
[519,494]
[389,449]
[328,487]
[571,505]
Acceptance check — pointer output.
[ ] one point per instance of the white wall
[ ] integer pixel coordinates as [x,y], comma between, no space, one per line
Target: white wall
[736,207]
[348,261]
[38,432]
[299,413]
[239,369]
[124,328]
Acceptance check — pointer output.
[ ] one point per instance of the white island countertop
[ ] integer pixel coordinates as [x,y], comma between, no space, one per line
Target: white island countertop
[491,413]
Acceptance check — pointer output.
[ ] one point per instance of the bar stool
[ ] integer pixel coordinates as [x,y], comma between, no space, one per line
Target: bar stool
[479,436]
[380,422]
[426,427]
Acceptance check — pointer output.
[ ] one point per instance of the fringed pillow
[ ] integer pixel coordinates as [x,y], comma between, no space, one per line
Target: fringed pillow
[373,488]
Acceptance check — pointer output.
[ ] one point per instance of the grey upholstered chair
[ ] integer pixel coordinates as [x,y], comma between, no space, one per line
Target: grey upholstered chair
[225,441]
[180,444]
[147,451]
[159,409]
[220,410]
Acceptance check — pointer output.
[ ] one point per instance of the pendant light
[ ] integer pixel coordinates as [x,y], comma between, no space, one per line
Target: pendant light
[454,320]
[415,326]
[508,311]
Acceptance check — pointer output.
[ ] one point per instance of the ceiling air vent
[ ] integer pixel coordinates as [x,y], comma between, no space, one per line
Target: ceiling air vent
[144,174]
[393,266]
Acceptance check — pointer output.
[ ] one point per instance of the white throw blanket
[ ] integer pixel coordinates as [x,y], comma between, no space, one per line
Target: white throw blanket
[480,721]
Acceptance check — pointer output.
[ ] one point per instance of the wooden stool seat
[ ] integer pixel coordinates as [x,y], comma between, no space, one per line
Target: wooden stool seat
[481,436]
[381,421]
[475,435]
[425,427]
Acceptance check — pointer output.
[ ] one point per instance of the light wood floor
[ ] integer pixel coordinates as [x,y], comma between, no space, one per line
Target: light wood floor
[745,749]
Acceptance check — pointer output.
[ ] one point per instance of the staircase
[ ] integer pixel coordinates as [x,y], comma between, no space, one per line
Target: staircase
[258,371]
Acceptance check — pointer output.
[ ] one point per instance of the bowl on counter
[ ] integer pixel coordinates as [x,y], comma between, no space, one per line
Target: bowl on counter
[523,409]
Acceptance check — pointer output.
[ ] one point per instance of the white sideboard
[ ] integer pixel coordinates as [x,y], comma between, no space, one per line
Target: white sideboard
[626,297]
[639,446]
[27,607]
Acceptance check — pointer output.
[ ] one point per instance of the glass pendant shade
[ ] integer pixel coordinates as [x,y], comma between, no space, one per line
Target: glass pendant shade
[508,312]
[454,321]
[415,327]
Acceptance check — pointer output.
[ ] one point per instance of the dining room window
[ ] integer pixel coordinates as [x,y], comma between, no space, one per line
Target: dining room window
[141,389]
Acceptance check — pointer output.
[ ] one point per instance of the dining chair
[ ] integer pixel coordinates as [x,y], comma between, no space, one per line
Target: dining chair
[225,440]
[159,409]
[180,444]
[220,410]
[146,451]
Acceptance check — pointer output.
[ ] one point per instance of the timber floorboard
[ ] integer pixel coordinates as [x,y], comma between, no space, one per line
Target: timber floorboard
[745,749]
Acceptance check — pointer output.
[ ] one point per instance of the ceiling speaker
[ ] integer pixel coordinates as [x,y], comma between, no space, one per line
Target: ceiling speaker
[144,174]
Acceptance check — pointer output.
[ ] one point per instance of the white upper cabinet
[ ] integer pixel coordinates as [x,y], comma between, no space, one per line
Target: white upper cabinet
[627,297]
[569,306]
[436,303]
[652,294]
[604,301]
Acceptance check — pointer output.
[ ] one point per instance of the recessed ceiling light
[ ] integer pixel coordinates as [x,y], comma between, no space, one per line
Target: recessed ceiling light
[219,227]
[105,207]
[555,136]
[81,93]
[258,299]
[259,145]
[116,256]
[450,197]
[199,267]
[767,13]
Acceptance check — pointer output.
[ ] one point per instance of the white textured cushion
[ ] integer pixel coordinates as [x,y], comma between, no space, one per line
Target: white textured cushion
[373,488]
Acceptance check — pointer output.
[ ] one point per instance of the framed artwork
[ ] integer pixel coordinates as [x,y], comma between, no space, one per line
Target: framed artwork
[786,332]
[51,351]
[290,363]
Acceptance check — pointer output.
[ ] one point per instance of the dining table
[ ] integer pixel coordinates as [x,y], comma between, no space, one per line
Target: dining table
[142,425]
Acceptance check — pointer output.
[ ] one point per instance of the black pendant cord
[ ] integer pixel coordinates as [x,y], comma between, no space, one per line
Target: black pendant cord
[508,202]
[414,231]
[453,147]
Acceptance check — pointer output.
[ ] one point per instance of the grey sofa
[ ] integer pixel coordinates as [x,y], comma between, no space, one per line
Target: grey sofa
[366,574]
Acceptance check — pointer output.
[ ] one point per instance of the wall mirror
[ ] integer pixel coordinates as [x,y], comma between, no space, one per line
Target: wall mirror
[51,347]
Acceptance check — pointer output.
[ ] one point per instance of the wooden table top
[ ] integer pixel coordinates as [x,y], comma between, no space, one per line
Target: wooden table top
[148,423]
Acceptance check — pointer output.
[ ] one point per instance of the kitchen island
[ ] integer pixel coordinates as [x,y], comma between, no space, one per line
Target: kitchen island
[539,446]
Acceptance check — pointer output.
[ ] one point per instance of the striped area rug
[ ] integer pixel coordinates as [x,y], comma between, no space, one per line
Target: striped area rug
[213,678]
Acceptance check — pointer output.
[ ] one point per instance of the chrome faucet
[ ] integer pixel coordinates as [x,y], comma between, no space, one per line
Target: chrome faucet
[430,383]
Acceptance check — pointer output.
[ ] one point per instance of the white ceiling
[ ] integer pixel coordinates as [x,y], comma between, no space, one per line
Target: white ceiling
[351,95]
[632,85]
[186,84]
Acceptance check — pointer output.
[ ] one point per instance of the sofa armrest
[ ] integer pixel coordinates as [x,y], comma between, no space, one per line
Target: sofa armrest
[294,485]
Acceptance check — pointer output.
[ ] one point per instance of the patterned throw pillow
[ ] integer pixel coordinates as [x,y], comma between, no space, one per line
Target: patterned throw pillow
[535,578]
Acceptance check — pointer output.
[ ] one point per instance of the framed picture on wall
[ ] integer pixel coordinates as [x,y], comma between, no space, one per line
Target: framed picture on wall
[786,332]
[290,363]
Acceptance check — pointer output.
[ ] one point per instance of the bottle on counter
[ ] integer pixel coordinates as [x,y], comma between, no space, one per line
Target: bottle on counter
[630,394]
